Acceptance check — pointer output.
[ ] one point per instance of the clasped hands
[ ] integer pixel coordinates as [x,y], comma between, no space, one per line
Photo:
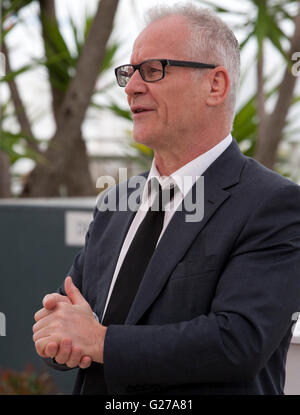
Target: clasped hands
[67,330]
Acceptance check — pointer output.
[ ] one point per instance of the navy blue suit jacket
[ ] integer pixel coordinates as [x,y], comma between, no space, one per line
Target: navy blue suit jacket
[213,312]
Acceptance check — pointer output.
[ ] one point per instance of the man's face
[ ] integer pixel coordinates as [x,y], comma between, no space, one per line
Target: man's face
[174,107]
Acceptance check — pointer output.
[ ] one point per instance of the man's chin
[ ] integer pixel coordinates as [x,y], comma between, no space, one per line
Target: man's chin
[143,139]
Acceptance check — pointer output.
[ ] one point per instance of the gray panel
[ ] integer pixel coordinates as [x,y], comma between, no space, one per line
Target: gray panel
[33,262]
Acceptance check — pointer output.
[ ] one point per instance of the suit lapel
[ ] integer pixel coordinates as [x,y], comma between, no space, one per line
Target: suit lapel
[179,235]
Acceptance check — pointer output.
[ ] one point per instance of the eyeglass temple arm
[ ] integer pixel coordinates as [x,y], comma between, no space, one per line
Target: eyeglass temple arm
[189,64]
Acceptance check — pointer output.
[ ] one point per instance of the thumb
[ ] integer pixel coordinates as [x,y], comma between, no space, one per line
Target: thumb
[73,293]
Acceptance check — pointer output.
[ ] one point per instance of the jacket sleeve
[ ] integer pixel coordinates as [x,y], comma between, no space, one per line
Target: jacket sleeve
[250,314]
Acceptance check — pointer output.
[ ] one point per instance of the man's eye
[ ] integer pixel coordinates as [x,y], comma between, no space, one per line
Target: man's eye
[153,69]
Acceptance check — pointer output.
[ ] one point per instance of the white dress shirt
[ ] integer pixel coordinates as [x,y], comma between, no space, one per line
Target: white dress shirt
[193,170]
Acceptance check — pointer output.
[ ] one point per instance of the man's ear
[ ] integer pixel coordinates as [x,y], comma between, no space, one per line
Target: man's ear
[219,86]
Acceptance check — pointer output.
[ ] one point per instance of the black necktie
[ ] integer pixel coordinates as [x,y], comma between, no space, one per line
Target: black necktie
[137,258]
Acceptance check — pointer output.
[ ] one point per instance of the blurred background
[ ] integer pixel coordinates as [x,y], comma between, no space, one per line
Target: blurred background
[65,122]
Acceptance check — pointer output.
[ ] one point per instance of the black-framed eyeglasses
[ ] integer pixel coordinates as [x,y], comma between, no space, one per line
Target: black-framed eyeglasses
[153,70]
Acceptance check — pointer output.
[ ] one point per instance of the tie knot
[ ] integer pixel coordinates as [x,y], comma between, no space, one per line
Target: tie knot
[163,196]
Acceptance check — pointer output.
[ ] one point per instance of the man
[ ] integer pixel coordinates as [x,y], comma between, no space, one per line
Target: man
[212,312]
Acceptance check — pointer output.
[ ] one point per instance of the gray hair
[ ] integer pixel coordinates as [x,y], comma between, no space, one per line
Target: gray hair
[211,39]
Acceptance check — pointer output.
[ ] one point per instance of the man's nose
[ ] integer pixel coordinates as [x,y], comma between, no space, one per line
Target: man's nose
[136,84]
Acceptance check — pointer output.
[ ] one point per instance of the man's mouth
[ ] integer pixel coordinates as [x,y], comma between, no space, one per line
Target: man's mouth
[139,110]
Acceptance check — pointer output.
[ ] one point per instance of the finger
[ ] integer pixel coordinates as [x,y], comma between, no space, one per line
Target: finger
[65,349]
[85,362]
[44,322]
[41,314]
[54,318]
[45,332]
[50,300]
[51,349]
[74,357]
[40,346]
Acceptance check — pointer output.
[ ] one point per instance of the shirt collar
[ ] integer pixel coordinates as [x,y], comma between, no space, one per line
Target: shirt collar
[164,181]
[186,176]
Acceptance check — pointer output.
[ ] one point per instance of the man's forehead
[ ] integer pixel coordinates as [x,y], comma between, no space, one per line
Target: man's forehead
[167,35]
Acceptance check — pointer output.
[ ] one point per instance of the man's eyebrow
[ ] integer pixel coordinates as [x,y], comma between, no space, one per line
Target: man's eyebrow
[137,62]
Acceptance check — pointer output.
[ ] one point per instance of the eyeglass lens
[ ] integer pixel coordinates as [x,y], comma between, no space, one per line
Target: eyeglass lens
[124,74]
[150,71]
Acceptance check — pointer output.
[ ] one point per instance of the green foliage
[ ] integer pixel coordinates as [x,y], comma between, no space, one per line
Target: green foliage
[13,6]
[245,127]
[265,24]
[27,382]
[60,60]
[246,123]
[14,145]
[109,57]
[122,112]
